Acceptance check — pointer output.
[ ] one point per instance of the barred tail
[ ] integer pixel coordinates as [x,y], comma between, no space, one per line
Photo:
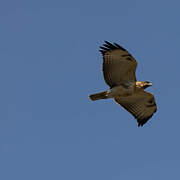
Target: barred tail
[97,96]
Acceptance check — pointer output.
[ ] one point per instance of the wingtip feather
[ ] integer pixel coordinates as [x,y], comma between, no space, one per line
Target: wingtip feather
[107,46]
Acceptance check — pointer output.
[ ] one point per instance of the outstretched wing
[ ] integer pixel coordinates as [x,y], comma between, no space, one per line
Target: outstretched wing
[118,64]
[141,105]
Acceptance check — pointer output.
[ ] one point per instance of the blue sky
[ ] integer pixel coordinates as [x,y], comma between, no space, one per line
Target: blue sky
[49,64]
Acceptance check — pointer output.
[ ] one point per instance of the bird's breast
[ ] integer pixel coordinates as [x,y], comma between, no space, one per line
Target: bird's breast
[121,90]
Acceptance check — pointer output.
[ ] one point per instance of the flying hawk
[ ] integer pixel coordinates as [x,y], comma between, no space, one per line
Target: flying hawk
[119,68]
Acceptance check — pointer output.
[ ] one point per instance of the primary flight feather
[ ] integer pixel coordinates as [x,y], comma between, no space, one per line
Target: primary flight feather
[119,68]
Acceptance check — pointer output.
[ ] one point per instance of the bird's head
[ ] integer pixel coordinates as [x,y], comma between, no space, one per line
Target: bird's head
[143,84]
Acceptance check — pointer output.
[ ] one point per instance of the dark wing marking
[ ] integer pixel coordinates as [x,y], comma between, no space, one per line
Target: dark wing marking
[141,105]
[108,46]
[118,64]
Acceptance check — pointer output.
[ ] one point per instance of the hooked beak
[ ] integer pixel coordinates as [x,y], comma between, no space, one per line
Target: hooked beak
[149,84]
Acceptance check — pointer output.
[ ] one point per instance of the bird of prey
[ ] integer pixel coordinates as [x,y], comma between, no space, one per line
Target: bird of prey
[119,68]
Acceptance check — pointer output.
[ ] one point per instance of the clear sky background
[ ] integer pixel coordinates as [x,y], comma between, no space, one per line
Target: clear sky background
[49,64]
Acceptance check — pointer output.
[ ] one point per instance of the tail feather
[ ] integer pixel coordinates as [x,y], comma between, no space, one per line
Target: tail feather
[97,96]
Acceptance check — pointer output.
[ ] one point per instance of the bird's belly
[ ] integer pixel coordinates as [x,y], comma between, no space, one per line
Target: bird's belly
[120,91]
